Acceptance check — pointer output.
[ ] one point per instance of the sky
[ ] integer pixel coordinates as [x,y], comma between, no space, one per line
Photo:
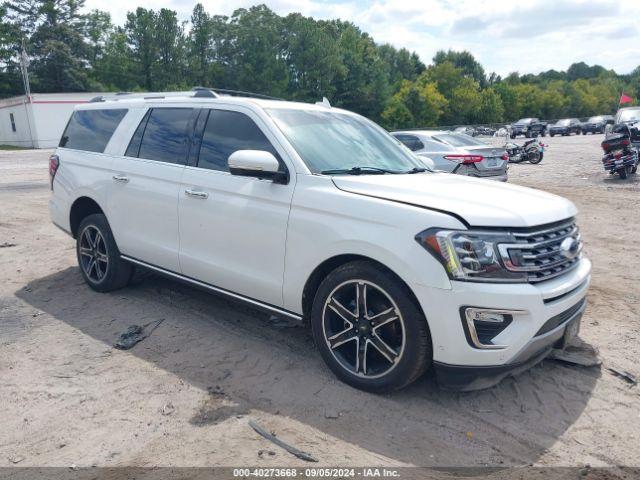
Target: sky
[504,35]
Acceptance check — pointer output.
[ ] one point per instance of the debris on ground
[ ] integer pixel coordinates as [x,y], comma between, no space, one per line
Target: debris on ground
[268,452]
[626,376]
[168,409]
[135,334]
[580,353]
[272,438]
[7,244]
[15,460]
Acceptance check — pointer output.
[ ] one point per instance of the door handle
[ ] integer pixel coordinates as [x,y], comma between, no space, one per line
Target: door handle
[196,194]
[121,178]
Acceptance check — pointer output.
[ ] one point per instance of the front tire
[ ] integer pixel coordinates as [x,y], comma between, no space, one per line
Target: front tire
[369,329]
[623,173]
[99,257]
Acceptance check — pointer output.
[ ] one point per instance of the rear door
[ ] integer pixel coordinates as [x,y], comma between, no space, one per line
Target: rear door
[143,197]
[233,228]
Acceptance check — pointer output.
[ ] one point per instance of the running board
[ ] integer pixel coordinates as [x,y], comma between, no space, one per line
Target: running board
[222,291]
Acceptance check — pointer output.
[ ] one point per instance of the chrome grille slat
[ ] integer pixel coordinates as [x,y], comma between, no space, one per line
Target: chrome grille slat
[538,253]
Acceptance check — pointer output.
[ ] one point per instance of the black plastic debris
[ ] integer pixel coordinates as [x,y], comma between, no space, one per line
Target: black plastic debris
[272,438]
[134,334]
[623,374]
[7,245]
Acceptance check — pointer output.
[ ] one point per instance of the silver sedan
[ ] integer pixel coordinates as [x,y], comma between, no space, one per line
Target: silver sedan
[456,153]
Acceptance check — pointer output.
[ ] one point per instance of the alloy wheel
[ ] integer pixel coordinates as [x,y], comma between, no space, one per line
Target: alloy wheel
[93,254]
[363,328]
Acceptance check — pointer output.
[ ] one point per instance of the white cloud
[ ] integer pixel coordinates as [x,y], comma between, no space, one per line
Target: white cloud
[504,36]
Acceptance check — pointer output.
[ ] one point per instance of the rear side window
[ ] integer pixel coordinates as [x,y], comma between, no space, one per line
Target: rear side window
[227,132]
[91,130]
[412,142]
[165,135]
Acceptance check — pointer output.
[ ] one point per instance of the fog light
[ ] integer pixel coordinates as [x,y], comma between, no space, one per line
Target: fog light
[486,315]
[482,325]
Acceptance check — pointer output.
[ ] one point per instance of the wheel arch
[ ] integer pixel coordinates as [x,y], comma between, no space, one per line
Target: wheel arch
[80,209]
[327,266]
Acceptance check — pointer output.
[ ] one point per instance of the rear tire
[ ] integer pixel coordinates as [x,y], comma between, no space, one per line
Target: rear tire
[369,329]
[99,257]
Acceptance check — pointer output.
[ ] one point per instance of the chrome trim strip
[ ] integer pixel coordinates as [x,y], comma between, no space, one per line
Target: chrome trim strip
[472,328]
[222,291]
[548,230]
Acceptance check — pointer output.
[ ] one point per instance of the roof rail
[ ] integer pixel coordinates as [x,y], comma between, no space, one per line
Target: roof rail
[240,93]
[197,92]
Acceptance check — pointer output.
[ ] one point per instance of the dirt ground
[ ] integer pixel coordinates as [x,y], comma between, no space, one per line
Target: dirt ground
[184,396]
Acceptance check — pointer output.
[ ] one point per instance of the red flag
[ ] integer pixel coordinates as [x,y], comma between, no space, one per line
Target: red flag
[625,99]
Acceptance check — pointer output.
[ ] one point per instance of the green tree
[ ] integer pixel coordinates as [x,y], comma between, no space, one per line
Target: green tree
[56,42]
[465,61]
[140,32]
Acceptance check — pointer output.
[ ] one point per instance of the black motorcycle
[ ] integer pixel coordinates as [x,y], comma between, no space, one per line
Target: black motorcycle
[620,155]
[531,151]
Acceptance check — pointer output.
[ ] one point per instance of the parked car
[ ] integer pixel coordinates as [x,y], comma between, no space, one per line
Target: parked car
[319,215]
[485,131]
[566,126]
[472,132]
[529,127]
[596,124]
[457,153]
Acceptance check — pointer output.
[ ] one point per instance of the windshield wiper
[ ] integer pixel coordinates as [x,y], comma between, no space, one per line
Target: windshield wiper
[357,171]
[417,170]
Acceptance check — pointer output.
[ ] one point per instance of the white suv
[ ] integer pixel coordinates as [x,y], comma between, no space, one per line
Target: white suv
[318,214]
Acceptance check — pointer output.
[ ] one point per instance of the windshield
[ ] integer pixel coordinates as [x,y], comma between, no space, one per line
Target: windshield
[337,141]
[563,123]
[629,115]
[595,119]
[524,120]
[458,140]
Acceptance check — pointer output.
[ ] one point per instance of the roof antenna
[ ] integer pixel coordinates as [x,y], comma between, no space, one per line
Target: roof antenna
[324,102]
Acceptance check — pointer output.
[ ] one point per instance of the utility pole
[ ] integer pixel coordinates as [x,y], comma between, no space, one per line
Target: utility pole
[24,65]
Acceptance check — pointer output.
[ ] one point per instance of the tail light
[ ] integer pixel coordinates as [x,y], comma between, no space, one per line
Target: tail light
[505,156]
[465,159]
[54,163]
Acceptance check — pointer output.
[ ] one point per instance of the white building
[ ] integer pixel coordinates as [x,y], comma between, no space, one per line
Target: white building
[37,122]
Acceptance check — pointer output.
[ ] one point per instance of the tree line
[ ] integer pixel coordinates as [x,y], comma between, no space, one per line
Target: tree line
[292,57]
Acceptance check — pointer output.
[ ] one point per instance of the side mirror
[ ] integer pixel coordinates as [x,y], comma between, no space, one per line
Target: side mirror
[256,163]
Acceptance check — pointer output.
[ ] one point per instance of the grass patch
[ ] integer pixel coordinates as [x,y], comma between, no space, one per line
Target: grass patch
[13,147]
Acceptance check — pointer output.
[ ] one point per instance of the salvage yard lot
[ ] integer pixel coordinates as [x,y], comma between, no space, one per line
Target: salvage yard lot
[184,396]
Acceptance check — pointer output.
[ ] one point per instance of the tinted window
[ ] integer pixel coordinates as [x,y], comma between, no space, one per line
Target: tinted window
[227,132]
[458,140]
[410,141]
[165,135]
[134,144]
[434,146]
[91,130]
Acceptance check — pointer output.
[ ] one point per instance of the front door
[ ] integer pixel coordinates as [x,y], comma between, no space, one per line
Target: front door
[232,228]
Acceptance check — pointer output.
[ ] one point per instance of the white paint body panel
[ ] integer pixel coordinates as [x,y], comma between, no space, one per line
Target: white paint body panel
[263,240]
[480,203]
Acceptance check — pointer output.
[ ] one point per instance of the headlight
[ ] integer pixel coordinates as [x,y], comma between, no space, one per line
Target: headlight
[470,256]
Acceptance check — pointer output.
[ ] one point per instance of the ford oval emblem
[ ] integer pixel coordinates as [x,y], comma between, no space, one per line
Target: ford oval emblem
[569,247]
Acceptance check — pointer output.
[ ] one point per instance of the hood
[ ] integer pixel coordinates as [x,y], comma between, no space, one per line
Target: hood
[481,203]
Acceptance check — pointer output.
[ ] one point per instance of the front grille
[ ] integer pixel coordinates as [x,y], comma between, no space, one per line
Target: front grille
[556,321]
[544,253]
